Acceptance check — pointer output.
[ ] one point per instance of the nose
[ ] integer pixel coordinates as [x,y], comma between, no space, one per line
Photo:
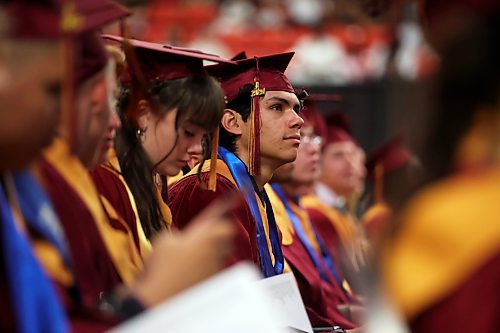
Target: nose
[296,121]
[195,147]
[115,122]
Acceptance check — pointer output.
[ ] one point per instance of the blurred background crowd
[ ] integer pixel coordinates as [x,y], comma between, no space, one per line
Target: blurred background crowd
[356,49]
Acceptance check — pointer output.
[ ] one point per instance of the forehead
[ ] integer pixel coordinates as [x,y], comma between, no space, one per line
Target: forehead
[346,147]
[291,98]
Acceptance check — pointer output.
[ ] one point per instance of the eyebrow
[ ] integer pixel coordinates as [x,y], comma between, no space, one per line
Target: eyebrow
[296,106]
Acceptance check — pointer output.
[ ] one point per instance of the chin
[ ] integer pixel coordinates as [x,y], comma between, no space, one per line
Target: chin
[171,171]
[289,157]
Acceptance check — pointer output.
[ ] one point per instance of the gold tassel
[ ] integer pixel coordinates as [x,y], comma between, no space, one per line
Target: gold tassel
[212,179]
[254,141]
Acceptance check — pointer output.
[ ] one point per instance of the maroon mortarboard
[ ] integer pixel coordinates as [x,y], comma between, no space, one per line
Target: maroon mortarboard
[338,129]
[90,54]
[391,155]
[267,71]
[165,62]
[49,19]
[311,115]
[30,19]
[313,118]
[385,159]
[98,13]
[264,73]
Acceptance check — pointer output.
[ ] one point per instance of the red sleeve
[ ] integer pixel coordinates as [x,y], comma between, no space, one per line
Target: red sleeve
[112,188]
[186,199]
[473,307]
[320,298]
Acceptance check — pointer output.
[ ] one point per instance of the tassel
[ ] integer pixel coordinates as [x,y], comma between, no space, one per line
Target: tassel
[379,183]
[123,28]
[68,93]
[70,23]
[254,142]
[212,179]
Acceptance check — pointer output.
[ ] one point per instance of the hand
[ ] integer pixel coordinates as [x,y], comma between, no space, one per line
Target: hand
[182,259]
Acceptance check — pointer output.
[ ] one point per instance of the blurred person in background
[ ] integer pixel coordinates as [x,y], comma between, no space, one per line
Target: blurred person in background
[340,179]
[385,164]
[30,82]
[441,265]
[319,281]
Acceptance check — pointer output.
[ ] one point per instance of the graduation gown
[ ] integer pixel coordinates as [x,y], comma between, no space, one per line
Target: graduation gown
[111,185]
[336,228]
[375,220]
[442,269]
[187,198]
[102,257]
[320,297]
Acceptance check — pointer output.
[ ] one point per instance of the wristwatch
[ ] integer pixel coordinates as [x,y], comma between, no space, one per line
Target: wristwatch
[119,305]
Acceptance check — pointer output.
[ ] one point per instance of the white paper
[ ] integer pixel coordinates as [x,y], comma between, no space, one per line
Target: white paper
[285,296]
[226,303]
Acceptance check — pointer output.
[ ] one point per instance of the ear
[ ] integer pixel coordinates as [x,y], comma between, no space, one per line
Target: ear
[144,109]
[231,121]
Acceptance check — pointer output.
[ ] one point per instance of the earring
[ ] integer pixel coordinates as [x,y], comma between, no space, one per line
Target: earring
[140,132]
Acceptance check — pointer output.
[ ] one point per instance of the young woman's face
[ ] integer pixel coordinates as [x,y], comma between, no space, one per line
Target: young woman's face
[160,138]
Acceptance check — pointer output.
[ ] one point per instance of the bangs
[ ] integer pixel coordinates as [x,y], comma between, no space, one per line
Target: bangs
[201,103]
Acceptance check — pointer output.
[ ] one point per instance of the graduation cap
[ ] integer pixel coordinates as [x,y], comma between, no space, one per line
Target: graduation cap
[338,129]
[311,115]
[160,62]
[264,73]
[385,159]
[50,19]
[33,19]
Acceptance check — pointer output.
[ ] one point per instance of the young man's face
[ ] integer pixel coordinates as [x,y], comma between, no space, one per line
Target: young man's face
[280,128]
[93,117]
[30,84]
[338,167]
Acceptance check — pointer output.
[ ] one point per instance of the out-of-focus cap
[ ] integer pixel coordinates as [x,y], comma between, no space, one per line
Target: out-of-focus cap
[89,46]
[49,19]
[312,116]
[98,13]
[32,19]
[391,155]
[338,129]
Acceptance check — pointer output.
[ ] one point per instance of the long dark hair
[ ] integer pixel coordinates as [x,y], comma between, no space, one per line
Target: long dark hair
[199,100]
